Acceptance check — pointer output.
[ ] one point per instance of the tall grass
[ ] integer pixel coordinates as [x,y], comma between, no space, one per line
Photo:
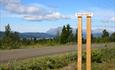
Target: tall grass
[102,59]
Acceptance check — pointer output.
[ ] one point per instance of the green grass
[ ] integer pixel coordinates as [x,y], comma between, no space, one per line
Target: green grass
[102,59]
[41,63]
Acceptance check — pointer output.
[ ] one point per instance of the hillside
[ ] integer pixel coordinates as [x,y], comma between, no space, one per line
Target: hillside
[32,35]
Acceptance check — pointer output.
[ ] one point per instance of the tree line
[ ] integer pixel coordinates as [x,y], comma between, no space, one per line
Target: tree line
[12,40]
[68,36]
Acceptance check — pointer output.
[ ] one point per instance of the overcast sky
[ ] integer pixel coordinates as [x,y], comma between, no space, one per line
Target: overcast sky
[41,15]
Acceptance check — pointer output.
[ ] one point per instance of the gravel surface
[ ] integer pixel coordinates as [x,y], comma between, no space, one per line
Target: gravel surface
[16,54]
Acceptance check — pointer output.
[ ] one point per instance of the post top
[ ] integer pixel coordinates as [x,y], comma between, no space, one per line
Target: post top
[84,14]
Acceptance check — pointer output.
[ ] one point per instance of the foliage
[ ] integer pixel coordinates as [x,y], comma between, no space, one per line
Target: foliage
[42,63]
[105,36]
[66,35]
[101,60]
[112,37]
[63,36]
[96,56]
[107,59]
[10,39]
[75,37]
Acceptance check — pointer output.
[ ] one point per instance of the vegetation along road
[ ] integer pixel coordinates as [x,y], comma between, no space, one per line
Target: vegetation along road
[16,54]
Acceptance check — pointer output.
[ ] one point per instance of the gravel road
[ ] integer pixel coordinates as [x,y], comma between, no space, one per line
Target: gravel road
[6,55]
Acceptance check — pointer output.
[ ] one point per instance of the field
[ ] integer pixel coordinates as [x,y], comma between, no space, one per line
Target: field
[103,58]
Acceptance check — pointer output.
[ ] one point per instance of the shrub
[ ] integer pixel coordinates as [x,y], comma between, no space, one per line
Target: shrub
[96,56]
[42,63]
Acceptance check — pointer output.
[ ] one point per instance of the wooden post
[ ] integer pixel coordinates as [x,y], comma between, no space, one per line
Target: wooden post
[79,47]
[88,44]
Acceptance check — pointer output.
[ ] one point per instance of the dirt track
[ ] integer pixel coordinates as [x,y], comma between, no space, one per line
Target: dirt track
[17,54]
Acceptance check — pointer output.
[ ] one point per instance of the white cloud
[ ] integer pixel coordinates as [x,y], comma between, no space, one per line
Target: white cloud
[99,12]
[103,15]
[113,19]
[31,12]
[15,6]
[52,16]
[108,20]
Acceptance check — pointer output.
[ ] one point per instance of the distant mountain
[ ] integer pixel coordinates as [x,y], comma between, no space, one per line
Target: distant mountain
[95,32]
[54,31]
[36,35]
[51,33]
[32,35]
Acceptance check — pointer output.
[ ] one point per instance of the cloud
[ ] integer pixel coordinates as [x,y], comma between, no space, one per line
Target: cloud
[15,6]
[31,12]
[108,20]
[52,16]
[104,15]
[113,19]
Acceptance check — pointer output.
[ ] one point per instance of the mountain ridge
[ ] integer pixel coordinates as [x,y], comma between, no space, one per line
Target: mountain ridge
[31,35]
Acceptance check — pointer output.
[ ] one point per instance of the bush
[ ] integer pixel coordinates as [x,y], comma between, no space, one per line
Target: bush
[96,56]
[42,63]
[99,56]
[108,53]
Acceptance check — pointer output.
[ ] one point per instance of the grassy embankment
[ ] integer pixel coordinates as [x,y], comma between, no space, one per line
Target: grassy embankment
[102,59]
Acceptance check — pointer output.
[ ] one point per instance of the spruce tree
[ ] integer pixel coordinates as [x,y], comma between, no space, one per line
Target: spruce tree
[10,39]
[112,37]
[63,35]
[66,35]
[105,36]
[69,34]
[75,37]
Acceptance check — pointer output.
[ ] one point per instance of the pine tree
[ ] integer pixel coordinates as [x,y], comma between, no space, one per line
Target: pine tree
[92,38]
[66,35]
[75,37]
[112,37]
[7,30]
[63,38]
[105,36]
[69,34]
[6,41]
[10,39]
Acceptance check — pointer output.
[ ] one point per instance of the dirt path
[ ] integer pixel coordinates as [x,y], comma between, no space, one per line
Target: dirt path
[7,55]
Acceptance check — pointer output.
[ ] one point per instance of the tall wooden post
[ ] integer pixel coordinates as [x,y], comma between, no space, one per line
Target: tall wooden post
[79,47]
[88,44]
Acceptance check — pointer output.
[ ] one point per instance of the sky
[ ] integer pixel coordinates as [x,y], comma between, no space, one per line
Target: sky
[42,15]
